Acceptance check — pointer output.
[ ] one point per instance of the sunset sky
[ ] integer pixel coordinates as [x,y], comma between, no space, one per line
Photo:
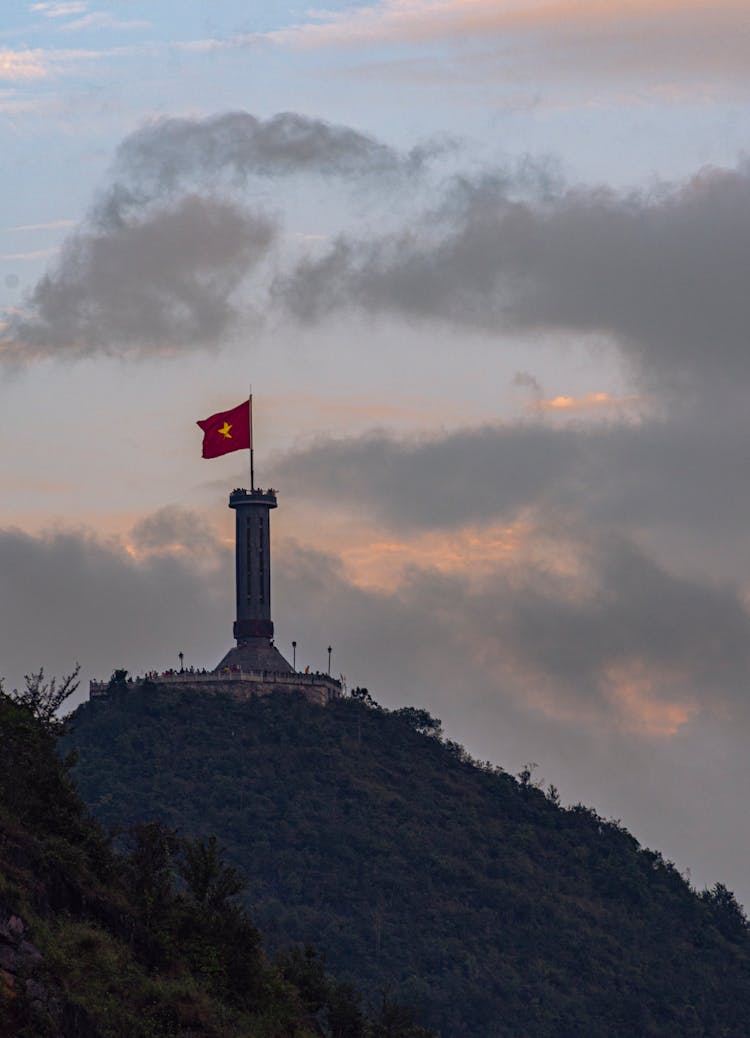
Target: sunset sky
[486,267]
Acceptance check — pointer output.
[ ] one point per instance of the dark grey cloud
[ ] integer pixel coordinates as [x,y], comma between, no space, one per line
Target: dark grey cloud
[565,629]
[683,635]
[664,272]
[571,630]
[660,272]
[162,281]
[97,604]
[675,472]
[166,244]
[524,623]
[174,528]
[466,476]
[163,154]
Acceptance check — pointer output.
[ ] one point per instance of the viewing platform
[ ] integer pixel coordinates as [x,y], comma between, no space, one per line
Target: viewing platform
[257,496]
[241,684]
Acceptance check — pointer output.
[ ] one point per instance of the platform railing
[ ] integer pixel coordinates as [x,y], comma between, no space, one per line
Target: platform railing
[97,688]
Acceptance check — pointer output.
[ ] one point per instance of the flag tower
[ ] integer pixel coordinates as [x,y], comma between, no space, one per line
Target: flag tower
[253,628]
[254,666]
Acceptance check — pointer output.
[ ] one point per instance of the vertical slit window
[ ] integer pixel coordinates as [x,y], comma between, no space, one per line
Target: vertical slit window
[248,557]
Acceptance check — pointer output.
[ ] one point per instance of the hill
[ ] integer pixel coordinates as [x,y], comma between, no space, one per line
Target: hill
[146,944]
[456,888]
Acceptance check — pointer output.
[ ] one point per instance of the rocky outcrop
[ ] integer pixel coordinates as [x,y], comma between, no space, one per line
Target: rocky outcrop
[32,998]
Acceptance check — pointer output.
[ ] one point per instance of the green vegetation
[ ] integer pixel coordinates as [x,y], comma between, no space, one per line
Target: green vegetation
[422,875]
[148,943]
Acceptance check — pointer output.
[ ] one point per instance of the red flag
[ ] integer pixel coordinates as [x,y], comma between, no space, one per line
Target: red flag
[227,431]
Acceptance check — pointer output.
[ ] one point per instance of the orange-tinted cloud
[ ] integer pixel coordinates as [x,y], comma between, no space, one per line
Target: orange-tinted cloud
[20,65]
[37,63]
[665,49]
[317,412]
[641,695]
[377,559]
[421,21]
[586,403]
[382,562]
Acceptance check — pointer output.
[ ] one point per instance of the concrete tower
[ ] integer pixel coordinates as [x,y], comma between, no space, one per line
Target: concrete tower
[253,628]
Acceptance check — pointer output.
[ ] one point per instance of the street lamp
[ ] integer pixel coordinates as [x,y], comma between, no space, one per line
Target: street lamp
[330,650]
[294,655]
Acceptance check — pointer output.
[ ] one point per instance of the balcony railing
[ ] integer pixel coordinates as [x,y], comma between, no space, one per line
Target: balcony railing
[186,677]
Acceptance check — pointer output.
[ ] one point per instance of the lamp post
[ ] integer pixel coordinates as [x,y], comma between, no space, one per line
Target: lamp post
[182,657]
[330,650]
[294,655]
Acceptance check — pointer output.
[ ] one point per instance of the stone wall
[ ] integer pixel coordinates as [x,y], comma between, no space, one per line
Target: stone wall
[316,688]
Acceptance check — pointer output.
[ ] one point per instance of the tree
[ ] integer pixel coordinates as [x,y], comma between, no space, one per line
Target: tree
[524,775]
[209,881]
[150,866]
[363,696]
[395,1021]
[335,1007]
[420,720]
[118,680]
[44,698]
[727,912]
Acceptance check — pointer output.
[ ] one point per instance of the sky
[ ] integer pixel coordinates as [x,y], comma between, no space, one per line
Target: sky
[484,265]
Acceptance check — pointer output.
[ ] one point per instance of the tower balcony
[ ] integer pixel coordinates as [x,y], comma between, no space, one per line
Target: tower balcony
[241,496]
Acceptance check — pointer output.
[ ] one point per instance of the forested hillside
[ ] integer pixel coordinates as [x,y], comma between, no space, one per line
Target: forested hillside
[453,887]
[149,943]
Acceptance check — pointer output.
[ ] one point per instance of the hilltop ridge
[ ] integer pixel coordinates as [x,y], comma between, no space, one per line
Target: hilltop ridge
[149,943]
[452,886]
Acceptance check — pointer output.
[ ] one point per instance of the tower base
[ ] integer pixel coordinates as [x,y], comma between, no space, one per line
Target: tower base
[255,654]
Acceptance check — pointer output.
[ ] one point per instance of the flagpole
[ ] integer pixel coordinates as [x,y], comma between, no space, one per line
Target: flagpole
[252,461]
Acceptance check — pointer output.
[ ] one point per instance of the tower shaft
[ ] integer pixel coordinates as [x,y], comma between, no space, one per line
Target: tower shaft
[253,563]
[253,627]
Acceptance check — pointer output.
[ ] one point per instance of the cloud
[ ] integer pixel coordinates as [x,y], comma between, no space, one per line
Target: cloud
[587,403]
[658,273]
[23,65]
[101,606]
[223,152]
[154,266]
[50,225]
[661,272]
[60,8]
[608,639]
[34,254]
[165,152]
[659,48]
[104,20]
[15,102]
[471,475]
[622,634]
[174,530]
[423,21]
[161,282]
[680,484]
[39,63]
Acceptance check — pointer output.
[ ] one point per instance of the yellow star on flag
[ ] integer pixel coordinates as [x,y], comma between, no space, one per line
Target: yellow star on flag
[225,432]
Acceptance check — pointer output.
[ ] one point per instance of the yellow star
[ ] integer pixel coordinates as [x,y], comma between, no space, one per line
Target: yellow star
[225,431]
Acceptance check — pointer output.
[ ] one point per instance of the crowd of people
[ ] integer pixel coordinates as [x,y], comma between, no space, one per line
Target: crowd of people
[186,672]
